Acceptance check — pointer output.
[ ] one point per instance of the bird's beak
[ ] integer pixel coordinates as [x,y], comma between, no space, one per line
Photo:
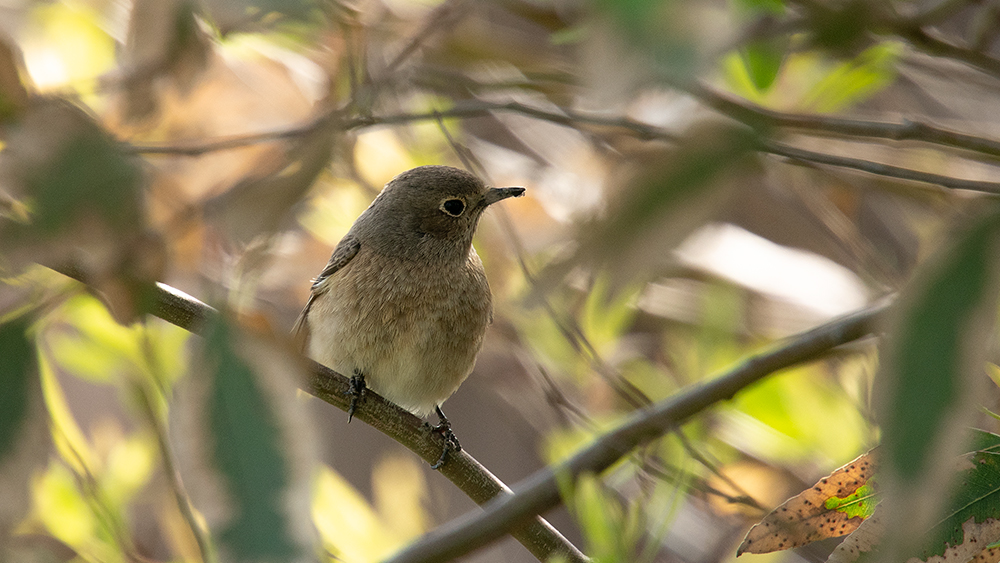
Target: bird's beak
[494,195]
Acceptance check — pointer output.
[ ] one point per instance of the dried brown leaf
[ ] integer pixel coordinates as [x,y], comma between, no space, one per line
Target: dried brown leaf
[805,517]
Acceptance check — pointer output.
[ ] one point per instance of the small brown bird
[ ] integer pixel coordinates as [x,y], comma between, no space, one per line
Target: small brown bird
[403,304]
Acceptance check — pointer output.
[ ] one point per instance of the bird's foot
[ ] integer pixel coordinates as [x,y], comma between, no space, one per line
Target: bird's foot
[356,391]
[451,442]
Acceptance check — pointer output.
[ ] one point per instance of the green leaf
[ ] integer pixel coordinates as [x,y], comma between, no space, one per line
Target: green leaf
[16,370]
[25,438]
[86,173]
[855,80]
[931,370]
[761,6]
[762,60]
[976,497]
[933,349]
[861,503]
[247,448]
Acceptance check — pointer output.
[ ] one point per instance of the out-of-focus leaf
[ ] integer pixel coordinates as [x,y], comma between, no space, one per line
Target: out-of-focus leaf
[69,171]
[931,372]
[13,93]
[936,357]
[610,528]
[855,80]
[400,494]
[762,6]
[63,510]
[835,506]
[67,45]
[795,415]
[840,27]
[762,57]
[654,26]
[164,41]
[661,202]
[352,529]
[250,447]
[256,15]
[260,203]
[16,371]
[84,205]
[763,62]
[23,430]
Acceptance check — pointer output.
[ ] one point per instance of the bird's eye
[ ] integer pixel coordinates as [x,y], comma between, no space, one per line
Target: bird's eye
[453,207]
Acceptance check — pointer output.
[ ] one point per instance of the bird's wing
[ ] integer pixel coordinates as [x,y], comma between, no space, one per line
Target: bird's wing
[346,250]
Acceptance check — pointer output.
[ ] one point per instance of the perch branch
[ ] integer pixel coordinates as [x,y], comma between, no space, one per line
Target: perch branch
[537,535]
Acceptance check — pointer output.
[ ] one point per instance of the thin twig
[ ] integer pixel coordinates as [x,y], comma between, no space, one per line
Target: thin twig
[930,44]
[540,492]
[906,130]
[877,168]
[232,141]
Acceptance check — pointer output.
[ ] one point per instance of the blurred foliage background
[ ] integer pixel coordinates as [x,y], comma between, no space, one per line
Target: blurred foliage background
[704,177]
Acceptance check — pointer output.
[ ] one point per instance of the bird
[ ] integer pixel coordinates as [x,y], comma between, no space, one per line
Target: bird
[404,303]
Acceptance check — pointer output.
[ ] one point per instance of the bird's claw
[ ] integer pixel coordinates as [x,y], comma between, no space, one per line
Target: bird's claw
[451,442]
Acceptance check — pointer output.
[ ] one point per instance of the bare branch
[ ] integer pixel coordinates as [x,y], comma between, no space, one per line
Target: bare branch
[540,492]
[907,130]
[926,42]
[886,170]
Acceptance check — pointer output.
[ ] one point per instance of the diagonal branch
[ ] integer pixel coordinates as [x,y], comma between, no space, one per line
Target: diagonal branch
[540,492]
[537,535]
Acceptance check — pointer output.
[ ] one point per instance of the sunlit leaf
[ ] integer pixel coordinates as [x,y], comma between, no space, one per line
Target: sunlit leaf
[400,493]
[605,522]
[63,509]
[68,45]
[835,506]
[353,529]
[855,80]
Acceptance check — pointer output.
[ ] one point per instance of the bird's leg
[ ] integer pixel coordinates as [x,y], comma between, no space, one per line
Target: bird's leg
[450,440]
[356,391]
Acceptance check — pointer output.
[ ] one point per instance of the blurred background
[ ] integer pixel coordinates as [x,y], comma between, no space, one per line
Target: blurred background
[704,177]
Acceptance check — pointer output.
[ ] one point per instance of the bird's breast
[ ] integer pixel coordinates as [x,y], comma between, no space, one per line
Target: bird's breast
[411,328]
